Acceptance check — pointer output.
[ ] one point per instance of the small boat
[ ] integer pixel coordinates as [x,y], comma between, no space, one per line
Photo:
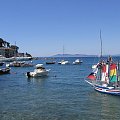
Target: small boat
[39,71]
[20,64]
[63,62]
[4,70]
[1,63]
[52,62]
[77,61]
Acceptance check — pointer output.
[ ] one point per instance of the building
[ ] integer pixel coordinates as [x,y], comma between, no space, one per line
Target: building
[8,50]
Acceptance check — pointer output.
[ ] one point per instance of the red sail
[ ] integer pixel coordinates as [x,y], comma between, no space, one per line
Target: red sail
[92,76]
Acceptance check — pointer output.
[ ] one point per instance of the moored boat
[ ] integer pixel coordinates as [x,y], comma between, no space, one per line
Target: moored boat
[4,70]
[39,71]
[20,64]
[63,62]
[1,63]
[51,62]
[77,61]
[22,58]
[4,59]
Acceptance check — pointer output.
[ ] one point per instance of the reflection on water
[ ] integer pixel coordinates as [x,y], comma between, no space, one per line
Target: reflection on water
[109,106]
[36,79]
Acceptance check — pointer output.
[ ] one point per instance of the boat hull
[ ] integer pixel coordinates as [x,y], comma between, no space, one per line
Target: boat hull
[38,74]
[4,71]
[1,63]
[108,91]
[105,90]
[50,62]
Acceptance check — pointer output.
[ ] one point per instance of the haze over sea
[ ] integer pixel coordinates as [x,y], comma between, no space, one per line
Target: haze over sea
[63,95]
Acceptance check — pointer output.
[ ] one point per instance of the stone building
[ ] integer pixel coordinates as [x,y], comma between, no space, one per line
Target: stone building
[8,50]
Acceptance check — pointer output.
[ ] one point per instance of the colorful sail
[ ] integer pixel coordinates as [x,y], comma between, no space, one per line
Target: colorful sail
[113,72]
[92,75]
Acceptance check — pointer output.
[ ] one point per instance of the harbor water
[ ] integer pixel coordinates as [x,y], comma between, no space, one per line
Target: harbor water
[63,95]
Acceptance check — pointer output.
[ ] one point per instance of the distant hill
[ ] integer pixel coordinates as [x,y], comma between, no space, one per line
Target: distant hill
[74,55]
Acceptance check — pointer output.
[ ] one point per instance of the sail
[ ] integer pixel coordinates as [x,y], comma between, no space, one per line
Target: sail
[113,72]
[107,69]
[104,76]
[92,75]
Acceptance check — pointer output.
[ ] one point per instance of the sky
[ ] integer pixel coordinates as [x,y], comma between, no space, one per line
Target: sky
[43,27]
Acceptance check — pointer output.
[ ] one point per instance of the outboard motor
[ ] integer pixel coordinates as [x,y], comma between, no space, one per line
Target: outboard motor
[28,74]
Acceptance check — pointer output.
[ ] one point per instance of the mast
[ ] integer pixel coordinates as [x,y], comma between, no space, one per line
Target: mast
[100,54]
[101,45]
[63,51]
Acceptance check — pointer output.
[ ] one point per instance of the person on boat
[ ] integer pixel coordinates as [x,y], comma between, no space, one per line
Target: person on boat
[104,74]
[109,60]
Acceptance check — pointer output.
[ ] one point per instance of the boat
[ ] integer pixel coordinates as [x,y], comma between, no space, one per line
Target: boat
[1,63]
[22,58]
[4,59]
[11,59]
[104,76]
[19,64]
[4,70]
[51,62]
[63,62]
[77,61]
[39,71]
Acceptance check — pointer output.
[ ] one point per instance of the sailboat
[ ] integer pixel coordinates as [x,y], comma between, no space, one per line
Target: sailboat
[63,62]
[104,76]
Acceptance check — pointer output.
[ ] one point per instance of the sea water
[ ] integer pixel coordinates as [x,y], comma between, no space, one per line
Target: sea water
[63,95]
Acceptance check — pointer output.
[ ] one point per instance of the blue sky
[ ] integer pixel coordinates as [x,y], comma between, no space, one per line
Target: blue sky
[43,27]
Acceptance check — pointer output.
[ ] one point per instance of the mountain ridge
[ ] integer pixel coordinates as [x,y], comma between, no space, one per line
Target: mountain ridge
[82,55]
[74,55]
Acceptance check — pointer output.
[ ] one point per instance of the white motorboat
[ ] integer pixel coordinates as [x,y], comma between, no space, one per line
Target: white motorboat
[11,59]
[4,59]
[63,62]
[39,71]
[77,61]
[22,58]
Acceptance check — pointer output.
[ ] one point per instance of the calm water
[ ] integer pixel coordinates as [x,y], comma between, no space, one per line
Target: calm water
[64,95]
